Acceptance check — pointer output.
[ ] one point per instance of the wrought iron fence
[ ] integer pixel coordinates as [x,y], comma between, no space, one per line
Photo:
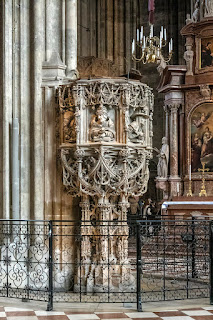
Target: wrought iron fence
[24,259]
[106,261]
[175,259]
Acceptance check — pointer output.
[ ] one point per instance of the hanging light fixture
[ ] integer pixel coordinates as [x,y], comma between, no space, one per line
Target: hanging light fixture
[151,46]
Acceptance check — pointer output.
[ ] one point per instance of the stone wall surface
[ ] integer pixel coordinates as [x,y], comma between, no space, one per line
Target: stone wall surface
[38,42]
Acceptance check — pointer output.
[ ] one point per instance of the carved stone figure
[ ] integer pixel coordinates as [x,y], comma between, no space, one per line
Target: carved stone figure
[208,8]
[196,13]
[136,134]
[163,161]
[188,19]
[205,91]
[161,65]
[101,126]
[188,56]
[119,249]
[69,127]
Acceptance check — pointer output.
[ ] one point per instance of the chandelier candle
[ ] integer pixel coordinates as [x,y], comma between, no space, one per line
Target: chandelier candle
[151,46]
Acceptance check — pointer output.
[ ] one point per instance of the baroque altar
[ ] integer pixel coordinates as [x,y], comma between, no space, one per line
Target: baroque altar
[106,144]
[188,105]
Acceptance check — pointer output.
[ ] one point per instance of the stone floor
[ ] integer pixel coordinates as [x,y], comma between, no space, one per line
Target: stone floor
[199,309]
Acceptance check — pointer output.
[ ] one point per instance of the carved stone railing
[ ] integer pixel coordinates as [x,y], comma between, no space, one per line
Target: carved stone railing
[106,145]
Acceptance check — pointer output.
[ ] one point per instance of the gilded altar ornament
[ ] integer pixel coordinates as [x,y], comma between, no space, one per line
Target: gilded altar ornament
[203,187]
[189,194]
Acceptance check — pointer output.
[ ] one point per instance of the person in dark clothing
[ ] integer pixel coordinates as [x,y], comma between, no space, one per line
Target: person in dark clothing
[207,56]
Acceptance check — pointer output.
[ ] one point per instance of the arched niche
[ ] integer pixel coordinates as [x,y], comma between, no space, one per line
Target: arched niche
[201,136]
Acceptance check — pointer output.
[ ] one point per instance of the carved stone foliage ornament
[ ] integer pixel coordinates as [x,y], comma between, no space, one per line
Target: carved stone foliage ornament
[103,172]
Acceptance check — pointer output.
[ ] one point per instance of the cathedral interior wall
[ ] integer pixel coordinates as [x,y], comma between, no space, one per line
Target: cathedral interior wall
[30,31]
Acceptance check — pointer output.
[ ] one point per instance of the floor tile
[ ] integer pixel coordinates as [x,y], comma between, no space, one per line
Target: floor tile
[177,318]
[52,318]
[203,317]
[8,309]
[23,318]
[109,312]
[198,313]
[112,315]
[20,313]
[78,312]
[145,318]
[141,315]
[83,317]
[191,309]
[49,313]
[208,308]
[170,313]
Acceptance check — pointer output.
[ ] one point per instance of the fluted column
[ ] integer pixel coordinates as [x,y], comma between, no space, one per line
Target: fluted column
[174,165]
[71,38]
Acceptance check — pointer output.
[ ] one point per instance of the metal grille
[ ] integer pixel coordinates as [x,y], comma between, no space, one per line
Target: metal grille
[174,259]
[24,258]
[106,261]
[105,277]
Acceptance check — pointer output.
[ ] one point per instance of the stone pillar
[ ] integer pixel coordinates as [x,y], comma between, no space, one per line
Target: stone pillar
[109,29]
[71,38]
[174,140]
[25,135]
[50,155]
[166,109]
[182,142]
[53,71]
[7,104]
[53,27]
[174,165]
[38,143]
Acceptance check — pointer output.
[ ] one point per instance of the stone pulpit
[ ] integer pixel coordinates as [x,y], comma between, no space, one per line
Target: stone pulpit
[106,144]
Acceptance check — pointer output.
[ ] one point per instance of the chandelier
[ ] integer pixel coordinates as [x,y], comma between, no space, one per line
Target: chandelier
[151,46]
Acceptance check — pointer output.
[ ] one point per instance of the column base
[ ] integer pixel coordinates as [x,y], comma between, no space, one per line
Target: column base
[174,182]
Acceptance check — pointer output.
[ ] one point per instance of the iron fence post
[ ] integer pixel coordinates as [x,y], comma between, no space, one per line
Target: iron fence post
[211,261]
[50,264]
[139,265]
[193,248]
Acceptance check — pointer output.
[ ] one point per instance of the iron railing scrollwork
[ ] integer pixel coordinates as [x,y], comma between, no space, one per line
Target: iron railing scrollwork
[59,261]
